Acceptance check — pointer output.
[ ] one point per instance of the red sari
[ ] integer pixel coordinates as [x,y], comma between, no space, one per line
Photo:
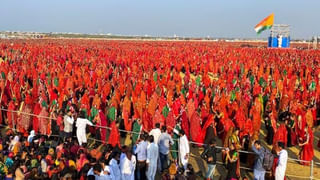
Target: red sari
[240,119]
[185,124]
[35,120]
[256,117]
[170,122]
[126,113]
[103,123]
[281,135]
[195,131]
[176,107]
[147,121]
[114,138]
[190,108]
[158,118]
[43,122]
[25,117]
[11,115]
[307,153]
[248,129]
[226,124]
[209,122]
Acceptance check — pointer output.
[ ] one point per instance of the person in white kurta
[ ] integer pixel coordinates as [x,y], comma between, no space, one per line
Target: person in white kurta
[127,166]
[152,158]
[282,163]
[81,125]
[184,149]
[156,132]
[115,167]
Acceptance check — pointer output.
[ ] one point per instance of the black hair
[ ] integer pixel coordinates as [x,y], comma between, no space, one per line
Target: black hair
[257,142]
[97,167]
[143,137]
[82,114]
[151,139]
[182,132]
[157,125]
[281,144]
[164,128]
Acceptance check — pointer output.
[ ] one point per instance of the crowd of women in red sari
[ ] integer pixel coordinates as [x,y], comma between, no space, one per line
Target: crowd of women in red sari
[200,84]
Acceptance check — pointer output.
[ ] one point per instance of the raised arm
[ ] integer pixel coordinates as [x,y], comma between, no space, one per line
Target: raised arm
[88,122]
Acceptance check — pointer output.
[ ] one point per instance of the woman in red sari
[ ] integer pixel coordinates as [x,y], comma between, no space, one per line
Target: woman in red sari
[11,115]
[35,119]
[306,152]
[195,130]
[281,135]
[43,120]
[126,112]
[103,122]
[256,116]
[25,117]
[185,123]
[208,132]
[114,138]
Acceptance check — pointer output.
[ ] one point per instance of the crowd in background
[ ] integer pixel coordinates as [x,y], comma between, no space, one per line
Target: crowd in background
[197,91]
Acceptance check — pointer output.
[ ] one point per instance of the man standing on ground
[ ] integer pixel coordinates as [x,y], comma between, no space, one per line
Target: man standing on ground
[258,170]
[156,132]
[141,152]
[210,155]
[81,125]
[165,141]
[152,158]
[127,166]
[115,167]
[68,124]
[184,149]
[282,162]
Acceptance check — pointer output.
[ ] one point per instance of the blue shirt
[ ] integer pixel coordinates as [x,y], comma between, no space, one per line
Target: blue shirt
[164,143]
[258,163]
[141,151]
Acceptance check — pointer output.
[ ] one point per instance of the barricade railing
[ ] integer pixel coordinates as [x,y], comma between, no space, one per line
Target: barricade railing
[312,163]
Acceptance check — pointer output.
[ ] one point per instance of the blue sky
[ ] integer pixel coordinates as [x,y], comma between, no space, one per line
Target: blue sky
[189,18]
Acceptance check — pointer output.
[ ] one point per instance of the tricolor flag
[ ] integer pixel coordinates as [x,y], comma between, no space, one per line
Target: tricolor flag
[266,23]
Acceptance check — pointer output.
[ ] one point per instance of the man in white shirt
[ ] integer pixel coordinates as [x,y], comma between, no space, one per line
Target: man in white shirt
[184,149]
[127,166]
[165,141]
[152,158]
[115,167]
[68,124]
[282,162]
[141,152]
[81,125]
[156,132]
